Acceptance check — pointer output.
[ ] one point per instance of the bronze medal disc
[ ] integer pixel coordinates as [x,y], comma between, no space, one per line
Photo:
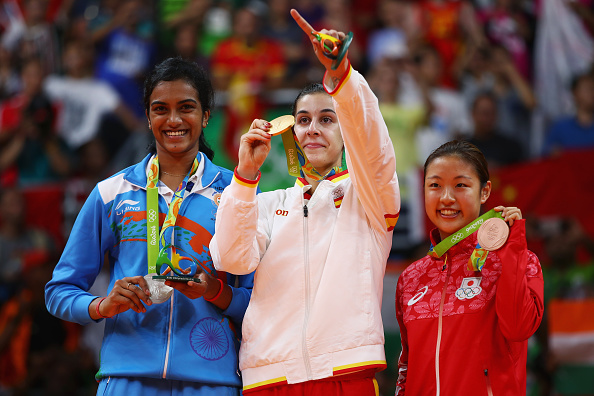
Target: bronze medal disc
[281,124]
[492,234]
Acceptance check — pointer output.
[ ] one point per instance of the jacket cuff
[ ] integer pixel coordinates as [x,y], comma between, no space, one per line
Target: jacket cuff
[244,189]
[340,84]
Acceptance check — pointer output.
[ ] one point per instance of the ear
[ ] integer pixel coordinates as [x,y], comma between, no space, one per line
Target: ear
[486,192]
[148,118]
[205,118]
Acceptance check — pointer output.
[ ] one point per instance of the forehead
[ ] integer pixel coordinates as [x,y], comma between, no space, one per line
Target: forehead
[450,167]
[173,90]
[315,102]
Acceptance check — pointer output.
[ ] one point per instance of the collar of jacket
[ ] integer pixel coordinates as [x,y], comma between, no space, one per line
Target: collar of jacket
[136,174]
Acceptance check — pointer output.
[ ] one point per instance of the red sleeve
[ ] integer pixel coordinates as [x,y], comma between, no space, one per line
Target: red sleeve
[519,300]
[403,360]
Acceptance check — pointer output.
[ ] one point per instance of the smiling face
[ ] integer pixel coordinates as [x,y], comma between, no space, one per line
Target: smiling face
[318,131]
[453,193]
[176,118]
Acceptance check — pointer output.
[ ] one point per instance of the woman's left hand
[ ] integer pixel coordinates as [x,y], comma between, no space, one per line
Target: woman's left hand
[509,213]
[204,286]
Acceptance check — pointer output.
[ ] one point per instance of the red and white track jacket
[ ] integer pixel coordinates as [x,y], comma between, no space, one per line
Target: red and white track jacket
[465,332]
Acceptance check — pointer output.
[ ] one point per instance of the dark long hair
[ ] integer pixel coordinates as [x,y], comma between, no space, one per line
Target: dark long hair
[467,152]
[173,69]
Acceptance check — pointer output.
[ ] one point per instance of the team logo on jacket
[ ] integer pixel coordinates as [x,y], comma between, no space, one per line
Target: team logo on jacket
[470,288]
[418,296]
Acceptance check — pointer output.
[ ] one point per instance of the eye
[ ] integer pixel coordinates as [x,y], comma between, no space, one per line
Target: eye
[188,107]
[433,185]
[303,120]
[159,109]
[327,120]
[461,185]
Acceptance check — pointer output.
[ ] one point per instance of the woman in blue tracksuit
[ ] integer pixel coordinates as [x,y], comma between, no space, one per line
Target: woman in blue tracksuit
[158,341]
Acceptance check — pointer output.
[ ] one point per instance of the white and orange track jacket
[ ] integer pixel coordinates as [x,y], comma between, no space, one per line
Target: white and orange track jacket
[320,262]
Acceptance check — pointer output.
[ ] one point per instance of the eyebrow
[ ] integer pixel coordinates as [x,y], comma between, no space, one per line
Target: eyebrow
[180,102]
[457,177]
[321,111]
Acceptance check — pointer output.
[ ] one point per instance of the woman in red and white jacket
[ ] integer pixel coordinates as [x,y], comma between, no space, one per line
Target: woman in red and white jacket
[465,315]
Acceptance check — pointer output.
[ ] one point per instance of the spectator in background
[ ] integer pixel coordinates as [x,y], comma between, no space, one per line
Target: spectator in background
[125,52]
[447,25]
[279,26]
[29,35]
[185,44]
[10,81]
[247,66]
[499,150]
[395,30]
[576,131]
[403,120]
[449,113]
[31,152]
[21,246]
[39,353]
[584,9]
[506,25]
[492,69]
[86,104]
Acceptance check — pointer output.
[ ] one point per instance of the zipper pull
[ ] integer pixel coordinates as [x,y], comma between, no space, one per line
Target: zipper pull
[305,211]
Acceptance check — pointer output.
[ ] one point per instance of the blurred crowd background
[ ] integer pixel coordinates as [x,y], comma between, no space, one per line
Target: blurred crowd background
[515,77]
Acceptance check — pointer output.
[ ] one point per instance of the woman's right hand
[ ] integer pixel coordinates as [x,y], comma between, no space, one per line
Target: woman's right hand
[127,293]
[253,149]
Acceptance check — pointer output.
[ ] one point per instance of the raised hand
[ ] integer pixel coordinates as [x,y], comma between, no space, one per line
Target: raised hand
[317,46]
[253,149]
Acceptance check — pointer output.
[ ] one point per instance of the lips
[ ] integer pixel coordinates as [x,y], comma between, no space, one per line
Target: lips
[448,213]
[178,133]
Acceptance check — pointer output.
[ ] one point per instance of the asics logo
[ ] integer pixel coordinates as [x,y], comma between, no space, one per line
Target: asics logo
[418,296]
[126,202]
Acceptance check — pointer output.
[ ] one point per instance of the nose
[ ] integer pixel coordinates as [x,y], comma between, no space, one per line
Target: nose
[312,129]
[447,197]
[174,119]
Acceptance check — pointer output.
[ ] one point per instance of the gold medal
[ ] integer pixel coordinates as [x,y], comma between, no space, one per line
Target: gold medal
[281,124]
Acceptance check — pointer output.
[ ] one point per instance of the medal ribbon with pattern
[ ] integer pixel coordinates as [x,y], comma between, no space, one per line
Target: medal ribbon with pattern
[294,153]
[479,255]
[158,256]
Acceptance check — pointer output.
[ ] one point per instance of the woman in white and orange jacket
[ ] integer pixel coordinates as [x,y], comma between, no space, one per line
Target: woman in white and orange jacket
[319,248]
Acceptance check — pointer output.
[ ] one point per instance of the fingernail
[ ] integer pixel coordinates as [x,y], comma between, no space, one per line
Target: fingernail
[268,125]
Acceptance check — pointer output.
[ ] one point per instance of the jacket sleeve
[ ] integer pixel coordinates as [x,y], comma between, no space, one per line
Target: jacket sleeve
[519,300]
[403,359]
[369,150]
[66,294]
[239,241]
[241,287]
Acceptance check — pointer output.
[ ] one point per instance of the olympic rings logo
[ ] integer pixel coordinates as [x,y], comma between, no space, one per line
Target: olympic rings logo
[458,237]
[152,215]
[468,293]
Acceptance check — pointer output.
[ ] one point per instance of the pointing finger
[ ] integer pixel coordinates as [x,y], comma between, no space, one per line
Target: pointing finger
[303,24]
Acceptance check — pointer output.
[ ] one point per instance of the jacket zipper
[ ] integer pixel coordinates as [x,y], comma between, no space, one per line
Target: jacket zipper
[439,327]
[488,379]
[307,280]
[165,366]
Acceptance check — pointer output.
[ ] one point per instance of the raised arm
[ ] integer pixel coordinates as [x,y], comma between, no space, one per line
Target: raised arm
[370,153]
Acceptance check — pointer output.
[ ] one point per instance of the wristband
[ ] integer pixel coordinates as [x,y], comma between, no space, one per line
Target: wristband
[97,309]
[218,294]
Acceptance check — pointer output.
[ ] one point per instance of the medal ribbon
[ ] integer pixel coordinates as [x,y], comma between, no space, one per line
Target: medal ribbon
[152,218]
[297,162]
[446,244]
